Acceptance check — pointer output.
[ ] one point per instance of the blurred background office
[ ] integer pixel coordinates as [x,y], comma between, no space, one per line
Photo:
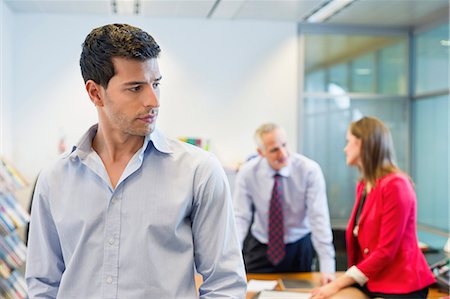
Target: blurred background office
[312,66]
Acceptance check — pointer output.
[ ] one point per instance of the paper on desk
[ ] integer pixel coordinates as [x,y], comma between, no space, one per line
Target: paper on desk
[255,285]
[283,295]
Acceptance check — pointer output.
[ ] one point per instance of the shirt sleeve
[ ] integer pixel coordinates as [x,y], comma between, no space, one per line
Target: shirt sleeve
[242,204]
[319,218]
[357,275]
[45,263]
[217,254]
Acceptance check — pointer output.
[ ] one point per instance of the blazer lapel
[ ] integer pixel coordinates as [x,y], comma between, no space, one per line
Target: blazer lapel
[351,222]
[367,206]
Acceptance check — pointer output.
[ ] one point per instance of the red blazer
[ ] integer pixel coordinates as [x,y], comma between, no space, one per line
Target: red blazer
[386,249]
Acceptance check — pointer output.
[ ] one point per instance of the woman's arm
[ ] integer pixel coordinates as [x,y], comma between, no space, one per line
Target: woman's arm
[332,288]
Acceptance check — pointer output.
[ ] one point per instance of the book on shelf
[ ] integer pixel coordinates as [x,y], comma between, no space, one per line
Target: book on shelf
[200,142]
[10,179]
[12,248]
[13,210]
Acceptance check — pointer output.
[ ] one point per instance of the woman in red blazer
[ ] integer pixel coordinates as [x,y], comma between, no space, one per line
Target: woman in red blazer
[383,254]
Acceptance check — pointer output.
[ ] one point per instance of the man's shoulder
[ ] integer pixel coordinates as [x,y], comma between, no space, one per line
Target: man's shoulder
[55,170]
[190,155]
[303,161]
[59,163]
[250,165]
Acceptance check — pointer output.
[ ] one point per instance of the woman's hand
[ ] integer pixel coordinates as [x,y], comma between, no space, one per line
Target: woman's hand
[325,291]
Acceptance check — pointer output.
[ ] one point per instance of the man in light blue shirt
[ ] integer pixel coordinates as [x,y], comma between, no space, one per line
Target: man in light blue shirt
[305,217]
[129,213]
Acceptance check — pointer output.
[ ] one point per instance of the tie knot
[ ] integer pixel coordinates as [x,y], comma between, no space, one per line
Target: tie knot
[277,180]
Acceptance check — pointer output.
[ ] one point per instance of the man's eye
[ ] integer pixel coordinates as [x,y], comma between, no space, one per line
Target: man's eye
[156,84]
[136,88]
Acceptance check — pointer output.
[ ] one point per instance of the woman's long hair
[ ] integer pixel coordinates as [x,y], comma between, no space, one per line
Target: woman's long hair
[377,149]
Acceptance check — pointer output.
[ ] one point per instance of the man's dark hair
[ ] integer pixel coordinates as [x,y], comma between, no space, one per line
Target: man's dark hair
[114,40]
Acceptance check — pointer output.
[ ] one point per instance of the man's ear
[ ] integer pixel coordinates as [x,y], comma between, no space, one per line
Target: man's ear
[94,91]
[260,152]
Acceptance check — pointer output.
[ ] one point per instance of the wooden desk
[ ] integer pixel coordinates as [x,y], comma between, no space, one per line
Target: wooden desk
[314,278]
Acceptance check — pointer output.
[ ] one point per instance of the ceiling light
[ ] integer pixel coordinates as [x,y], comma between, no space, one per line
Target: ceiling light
[363,71]
[125,7]
[445,43]
[328,10]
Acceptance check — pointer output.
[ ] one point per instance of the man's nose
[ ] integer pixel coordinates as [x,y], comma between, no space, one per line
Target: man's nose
[151,98]
[283,152]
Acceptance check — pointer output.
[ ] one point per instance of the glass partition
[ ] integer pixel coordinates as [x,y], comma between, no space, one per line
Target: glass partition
[430,156]
[392,69]
[338,78]
[347,77]
[432,60]
[351,75]
[326,123]
[363,71]
[430,128]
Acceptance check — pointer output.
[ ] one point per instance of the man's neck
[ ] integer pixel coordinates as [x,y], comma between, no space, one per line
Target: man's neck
[114,146]
[115,150]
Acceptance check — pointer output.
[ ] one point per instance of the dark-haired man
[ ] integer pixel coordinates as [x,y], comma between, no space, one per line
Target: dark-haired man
[129,213]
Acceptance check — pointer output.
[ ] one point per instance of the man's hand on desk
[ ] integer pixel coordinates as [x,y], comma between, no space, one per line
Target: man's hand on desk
[326,278]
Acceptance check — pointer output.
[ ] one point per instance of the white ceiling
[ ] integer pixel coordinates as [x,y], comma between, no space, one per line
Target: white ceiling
[322,50]
[360,12]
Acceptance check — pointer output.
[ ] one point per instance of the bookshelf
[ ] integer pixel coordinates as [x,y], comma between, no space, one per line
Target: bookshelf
[12,249]
[200,142]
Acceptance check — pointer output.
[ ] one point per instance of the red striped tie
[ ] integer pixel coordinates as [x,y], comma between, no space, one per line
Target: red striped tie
[275,246]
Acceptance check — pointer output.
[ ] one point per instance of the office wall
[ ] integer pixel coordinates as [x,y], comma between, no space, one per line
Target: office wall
[221,79]
[6,26]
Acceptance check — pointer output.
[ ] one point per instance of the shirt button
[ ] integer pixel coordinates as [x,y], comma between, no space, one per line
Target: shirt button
[366,250]
[114,200]
[109,280]
[111,241]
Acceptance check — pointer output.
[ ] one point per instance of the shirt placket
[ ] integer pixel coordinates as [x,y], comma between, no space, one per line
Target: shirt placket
[111,246]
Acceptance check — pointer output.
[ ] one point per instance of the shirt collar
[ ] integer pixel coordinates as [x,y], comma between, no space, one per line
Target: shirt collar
[159,141]
[284,172]
[84,145]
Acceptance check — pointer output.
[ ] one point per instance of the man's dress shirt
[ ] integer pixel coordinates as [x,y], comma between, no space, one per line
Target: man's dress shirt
[305,207]
[171,211]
